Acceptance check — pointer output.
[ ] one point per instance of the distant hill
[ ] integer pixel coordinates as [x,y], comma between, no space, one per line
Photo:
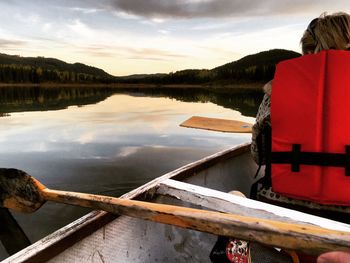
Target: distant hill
[142,76]
[258,67]
[270,57]
[40,69]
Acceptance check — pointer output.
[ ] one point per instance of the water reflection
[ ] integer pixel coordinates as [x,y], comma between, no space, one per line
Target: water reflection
[35,98]
[17,99]
[116,142]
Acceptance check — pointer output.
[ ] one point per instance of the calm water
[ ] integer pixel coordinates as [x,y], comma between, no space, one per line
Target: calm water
[105,141]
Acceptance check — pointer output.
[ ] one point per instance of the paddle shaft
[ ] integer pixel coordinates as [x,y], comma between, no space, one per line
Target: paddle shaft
[309,239]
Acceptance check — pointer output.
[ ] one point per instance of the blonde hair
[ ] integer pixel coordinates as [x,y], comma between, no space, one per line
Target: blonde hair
[327,32]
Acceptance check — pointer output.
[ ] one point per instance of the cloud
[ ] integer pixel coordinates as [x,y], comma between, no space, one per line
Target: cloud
[5,43]
[98,51]
[129,52]
[219,8]
[86,137]
[80,28]
[152,54]
[127,151]
[85,10]
[31,19]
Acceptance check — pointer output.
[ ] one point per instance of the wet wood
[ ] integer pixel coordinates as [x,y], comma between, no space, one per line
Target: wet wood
[215,124]
[19,191]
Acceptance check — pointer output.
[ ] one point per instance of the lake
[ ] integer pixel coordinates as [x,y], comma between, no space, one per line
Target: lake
[108,141]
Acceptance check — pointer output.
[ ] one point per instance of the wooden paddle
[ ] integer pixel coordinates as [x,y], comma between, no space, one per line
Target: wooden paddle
[23,193]
[215,124]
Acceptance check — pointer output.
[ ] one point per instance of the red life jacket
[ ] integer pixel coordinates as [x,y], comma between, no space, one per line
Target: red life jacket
[310,120]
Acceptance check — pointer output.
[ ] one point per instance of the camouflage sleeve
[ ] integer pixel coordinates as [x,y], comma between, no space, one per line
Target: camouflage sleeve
[262,119]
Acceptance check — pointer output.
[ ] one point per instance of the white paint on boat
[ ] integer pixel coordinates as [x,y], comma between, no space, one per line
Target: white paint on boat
[225,202]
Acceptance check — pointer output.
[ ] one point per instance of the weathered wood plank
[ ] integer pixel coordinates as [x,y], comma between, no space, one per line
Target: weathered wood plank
[306,238]
[225,202]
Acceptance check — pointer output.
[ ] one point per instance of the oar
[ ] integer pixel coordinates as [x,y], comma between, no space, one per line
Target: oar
[23,193]
[215,124]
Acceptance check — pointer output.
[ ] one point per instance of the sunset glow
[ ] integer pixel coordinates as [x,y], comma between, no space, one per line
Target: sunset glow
[154,36]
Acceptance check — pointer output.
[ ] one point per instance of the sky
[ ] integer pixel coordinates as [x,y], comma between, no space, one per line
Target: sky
[125,37]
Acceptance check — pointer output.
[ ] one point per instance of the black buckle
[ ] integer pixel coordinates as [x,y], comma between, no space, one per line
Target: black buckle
[296,158]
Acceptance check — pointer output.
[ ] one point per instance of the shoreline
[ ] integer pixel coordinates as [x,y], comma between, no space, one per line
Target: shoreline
[249,86]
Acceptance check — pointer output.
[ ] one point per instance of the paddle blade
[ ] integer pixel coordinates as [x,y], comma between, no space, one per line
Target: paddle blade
[215,124]
[19,191]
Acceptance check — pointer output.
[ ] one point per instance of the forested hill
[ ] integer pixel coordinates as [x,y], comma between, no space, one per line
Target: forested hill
[19,69]
[259,67]
[254,68]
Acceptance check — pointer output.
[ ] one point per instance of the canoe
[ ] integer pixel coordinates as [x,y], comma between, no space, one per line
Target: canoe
[103,237]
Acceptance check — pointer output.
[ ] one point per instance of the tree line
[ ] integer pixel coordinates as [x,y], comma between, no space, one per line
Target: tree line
[258,67]
[17,69]
[30,74]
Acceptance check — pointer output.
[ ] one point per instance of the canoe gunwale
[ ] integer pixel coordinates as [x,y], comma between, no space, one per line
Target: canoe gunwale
[53,244]
[235,204]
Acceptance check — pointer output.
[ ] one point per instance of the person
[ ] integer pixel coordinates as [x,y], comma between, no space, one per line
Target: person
[326,32]
[323,33]
[334,257]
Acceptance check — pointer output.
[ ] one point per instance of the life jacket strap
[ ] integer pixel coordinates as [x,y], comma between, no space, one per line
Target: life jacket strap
[296,158]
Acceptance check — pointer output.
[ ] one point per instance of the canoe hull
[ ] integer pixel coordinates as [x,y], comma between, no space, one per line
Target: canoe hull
[100,236]
[108,238]
[134,240]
